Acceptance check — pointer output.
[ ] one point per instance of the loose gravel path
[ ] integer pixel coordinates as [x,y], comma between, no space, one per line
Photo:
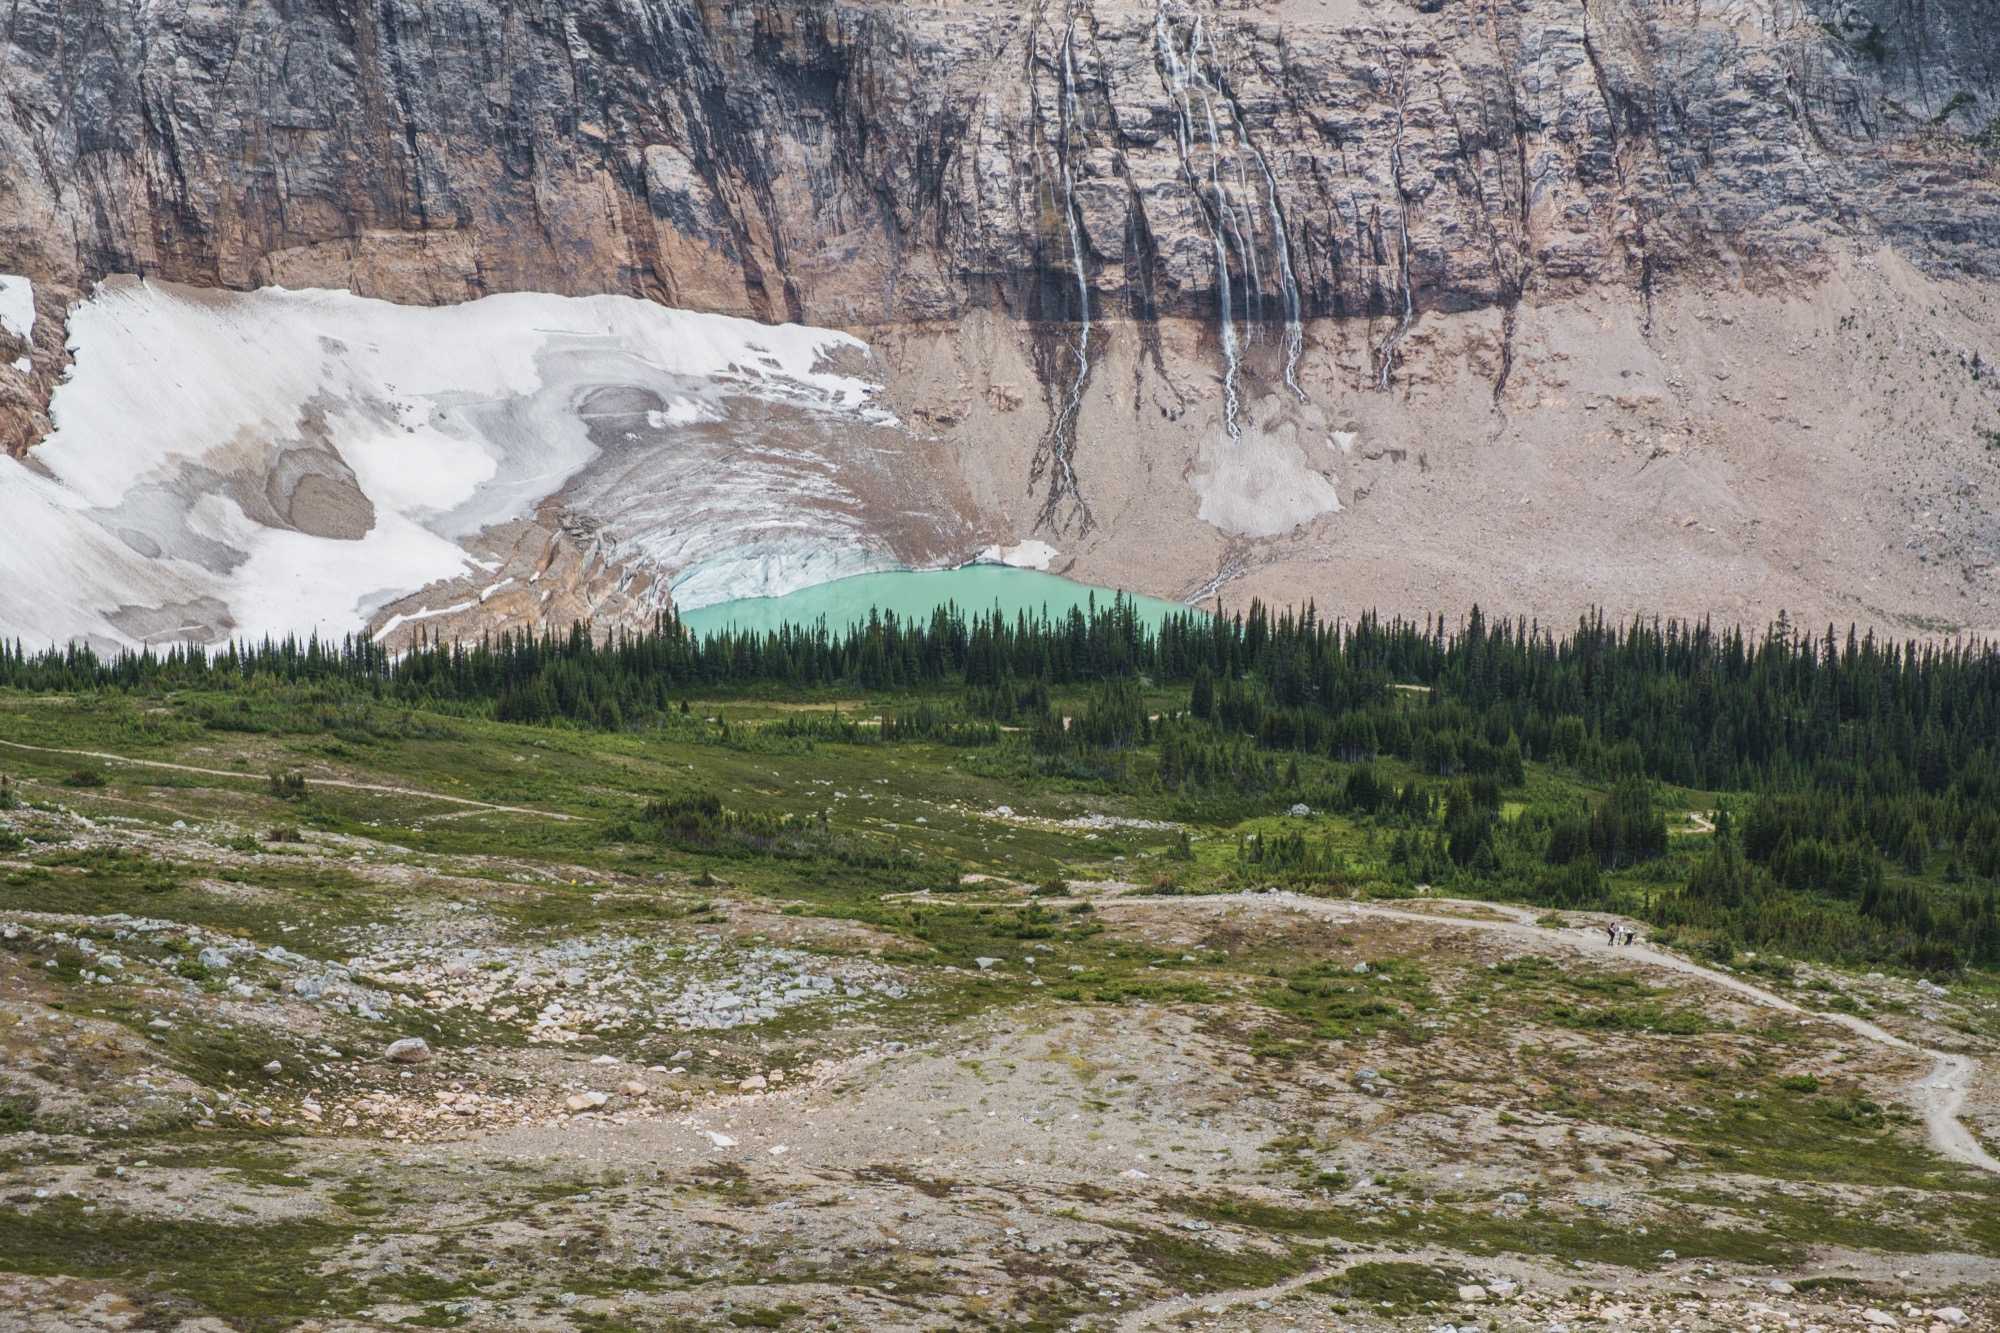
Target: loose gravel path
[107,758]
[1940,1093]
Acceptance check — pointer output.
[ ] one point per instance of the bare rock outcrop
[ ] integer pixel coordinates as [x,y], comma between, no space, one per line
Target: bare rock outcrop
[866,163]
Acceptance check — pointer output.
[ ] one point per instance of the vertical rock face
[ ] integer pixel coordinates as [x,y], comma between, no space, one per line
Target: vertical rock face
[1183,219]
[871,163]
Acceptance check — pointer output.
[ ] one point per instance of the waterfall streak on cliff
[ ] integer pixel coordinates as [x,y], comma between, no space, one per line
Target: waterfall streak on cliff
[1176,75]
[1058,447]
[1295,329]
[1071,121]
[1243,214]
[1288,283]
[1387,356]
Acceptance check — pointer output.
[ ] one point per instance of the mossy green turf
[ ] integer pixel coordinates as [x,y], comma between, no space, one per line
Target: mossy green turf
[600,779]
[903,824]
[902,817]
[1395,1285]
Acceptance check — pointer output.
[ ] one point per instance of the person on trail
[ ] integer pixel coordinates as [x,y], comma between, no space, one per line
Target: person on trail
[1611,934]
[1630,935]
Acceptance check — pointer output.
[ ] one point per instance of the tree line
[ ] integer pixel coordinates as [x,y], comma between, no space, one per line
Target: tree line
[1872,815]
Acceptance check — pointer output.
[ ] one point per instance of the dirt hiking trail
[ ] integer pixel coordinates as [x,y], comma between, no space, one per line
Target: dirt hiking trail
[105,757]
[1938,1094]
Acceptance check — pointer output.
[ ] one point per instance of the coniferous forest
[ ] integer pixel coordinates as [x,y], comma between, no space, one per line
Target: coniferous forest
[1851,781]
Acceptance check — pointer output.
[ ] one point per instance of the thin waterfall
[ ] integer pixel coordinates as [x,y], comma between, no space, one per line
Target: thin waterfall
[1246,204]
[1070,118]
[1288,284]
[1176,76]
[1227,211]
[1243,215]
[1058,447]
[1387,355]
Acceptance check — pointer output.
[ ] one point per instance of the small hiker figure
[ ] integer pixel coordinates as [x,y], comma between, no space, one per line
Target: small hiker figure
[1630,935]
[1611,934]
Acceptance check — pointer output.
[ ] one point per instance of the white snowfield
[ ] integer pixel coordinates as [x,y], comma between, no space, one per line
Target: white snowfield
[17,306]
[1260,485]
[1031,554]
[230,464]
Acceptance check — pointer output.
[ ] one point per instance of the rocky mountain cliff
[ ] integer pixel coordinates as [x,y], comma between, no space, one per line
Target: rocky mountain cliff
[1209,209]
[871,163]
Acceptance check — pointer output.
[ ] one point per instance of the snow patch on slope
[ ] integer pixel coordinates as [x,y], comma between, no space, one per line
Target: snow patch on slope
[17,306]
[396,622]
[1261,485]
[680,412]
[291,461]
[1022,555]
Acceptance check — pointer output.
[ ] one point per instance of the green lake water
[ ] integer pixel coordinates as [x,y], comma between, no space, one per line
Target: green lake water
[976,589]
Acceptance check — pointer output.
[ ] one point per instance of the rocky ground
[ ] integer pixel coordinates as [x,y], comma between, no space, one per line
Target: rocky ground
[1697,459]
[335,1083]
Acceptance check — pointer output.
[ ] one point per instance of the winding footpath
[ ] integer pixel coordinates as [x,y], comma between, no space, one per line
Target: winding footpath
[1940,1094]
[472,805]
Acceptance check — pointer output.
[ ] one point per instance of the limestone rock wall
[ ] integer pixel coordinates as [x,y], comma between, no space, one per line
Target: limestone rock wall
[858,163]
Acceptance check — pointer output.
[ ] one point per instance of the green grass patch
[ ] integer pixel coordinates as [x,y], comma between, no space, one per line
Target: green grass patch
[266,1276]
[1396,1285]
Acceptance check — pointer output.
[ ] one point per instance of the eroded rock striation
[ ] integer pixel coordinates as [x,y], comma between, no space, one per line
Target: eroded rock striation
[870,163]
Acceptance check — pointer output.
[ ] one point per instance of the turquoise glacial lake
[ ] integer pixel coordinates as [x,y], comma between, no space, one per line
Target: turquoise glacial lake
[975,589]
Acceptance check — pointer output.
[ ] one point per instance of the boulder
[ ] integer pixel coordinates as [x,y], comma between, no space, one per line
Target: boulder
[408,1051]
